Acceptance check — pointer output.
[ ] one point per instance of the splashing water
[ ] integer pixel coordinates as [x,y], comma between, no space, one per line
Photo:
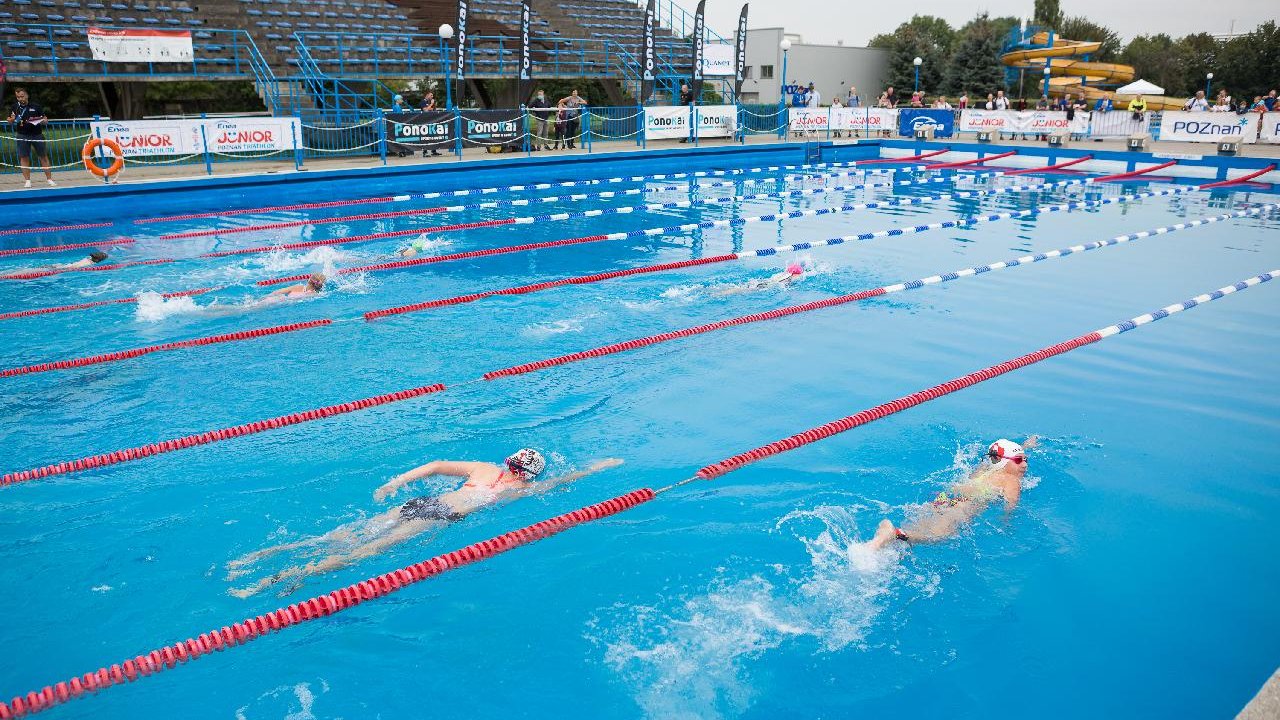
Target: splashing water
[281,261]
[693,662]
[554,327]
[154,307]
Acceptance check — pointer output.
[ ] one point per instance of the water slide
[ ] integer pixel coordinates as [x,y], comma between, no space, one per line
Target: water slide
[1068,74]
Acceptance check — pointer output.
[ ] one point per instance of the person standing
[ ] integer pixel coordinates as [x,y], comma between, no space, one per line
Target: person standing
[1137,107]
[1197,103]
[687,100]
[28,119]
[963,103]
[572,112]
[428,104]
[853,100]
[1002,102]
[540,127]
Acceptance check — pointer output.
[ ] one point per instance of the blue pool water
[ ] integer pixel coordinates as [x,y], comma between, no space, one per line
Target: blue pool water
[1137,577]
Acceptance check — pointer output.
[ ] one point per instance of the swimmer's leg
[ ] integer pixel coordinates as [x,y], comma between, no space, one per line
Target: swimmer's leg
[343,534]
[937,525]
[400,533]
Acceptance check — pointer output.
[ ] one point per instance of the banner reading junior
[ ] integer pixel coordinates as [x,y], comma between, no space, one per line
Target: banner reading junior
[140,45]
[1039,122]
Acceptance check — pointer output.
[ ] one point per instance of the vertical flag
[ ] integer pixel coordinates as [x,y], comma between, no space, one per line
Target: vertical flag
[461,68]
[647,74]
[740,55]
[699,30]
[526,62]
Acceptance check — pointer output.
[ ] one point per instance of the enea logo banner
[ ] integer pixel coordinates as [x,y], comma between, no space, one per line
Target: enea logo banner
[139,138]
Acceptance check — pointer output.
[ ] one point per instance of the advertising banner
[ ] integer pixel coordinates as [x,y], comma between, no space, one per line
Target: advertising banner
[1270,127]
[647,74]
[492,127]
[139,138]
[526,57]
[717,60]
[255,134]
[663,122]
[140,45]
[422,130]
[943,122]
[869,120]
[699,47]
[740,53]
[1208,126]
[1038,122]
[717,120]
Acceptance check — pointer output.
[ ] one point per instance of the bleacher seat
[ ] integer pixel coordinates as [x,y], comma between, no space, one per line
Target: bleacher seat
[29,16]
[151,21]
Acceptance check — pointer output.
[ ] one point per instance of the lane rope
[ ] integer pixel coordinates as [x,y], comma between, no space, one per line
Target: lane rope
[245,631]
[62,248]
[163,347]
[98,303]
[92,268]
[55,228]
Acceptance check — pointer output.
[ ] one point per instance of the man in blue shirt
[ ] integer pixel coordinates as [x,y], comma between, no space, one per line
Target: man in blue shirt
[1270,101]
[28,120]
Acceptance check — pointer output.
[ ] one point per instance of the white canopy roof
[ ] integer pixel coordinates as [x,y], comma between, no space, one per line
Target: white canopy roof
[1140,87]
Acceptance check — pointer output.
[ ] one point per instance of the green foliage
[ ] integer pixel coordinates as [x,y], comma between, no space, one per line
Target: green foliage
[1249,65]
[975,66]
[910,44]
[191,97]
[1155,58]
[1078,28]
[1047,13]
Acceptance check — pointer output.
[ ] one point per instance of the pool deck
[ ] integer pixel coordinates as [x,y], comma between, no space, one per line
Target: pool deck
[12,183]
[1266,704]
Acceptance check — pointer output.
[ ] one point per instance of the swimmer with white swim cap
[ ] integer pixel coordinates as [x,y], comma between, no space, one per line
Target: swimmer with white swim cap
[486,484]
[998,477]
[793,272]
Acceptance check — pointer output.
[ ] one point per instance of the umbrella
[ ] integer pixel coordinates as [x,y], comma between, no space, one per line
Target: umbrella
[1140,87]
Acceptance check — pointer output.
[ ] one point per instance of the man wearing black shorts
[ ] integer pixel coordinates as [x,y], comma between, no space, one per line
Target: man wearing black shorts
[28,120]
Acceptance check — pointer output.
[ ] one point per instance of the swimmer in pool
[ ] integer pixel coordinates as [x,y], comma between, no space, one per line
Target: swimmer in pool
[94,258]
[312,286]
[420,244]
[999,477]
[794,272]
[486,484]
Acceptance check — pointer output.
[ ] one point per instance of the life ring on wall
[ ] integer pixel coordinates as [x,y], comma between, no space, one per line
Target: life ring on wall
[87,155]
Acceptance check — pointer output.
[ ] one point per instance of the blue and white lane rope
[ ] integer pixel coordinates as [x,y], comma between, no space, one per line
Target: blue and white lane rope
[1167,310]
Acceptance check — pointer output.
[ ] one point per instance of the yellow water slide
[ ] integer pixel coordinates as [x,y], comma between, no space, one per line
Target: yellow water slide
[1068,75]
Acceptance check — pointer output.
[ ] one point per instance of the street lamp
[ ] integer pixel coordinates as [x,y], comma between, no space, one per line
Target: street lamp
[917,63]
[446,32]
[1047,70]
[1208,81]
[785,45]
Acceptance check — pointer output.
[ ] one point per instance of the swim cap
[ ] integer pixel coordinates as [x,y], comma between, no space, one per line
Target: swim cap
[1002,450]
[420,244]
[527,462]
[795,269]
[317,281]
[97,256]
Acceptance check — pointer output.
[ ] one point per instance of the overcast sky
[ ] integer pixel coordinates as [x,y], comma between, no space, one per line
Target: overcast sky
[855,22]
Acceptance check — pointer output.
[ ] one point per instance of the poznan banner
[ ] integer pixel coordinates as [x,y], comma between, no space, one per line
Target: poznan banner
[1208,127]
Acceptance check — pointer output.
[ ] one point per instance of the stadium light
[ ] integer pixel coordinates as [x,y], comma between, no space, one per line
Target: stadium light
[446,31]
[917,62]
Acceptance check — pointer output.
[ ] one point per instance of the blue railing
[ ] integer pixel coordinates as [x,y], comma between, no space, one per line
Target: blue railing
[63,51]
[678,20]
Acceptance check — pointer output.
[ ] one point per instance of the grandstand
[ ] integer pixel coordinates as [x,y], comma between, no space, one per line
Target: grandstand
[333,54]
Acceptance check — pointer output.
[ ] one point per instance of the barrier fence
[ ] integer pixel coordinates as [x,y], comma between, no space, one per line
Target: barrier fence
[309,136]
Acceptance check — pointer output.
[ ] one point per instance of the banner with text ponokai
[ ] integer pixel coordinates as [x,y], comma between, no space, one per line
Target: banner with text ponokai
[943,122]
[460,65]
[408,131]
[665,122]
[1208,126]
[699,45]
[740,55]
[490,128]
[525,73]
[648,60]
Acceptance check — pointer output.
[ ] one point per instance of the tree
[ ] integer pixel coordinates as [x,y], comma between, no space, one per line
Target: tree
[1155,58]
[906,47]
[1083,29]
[1249,65]
[1047,13]
[975,66]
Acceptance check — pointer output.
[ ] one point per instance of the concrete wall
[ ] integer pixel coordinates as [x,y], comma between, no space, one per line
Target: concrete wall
[833,68]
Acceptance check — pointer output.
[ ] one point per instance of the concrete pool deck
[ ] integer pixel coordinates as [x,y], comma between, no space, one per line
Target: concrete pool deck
[1266,704]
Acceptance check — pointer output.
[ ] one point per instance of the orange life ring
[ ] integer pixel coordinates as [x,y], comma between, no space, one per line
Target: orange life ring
[87,155]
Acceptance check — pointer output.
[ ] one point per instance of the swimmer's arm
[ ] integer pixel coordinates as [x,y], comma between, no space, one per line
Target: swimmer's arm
[436,467]
[595,467]
[1011,489]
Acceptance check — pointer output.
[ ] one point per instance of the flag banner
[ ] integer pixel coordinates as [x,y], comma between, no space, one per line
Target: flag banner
[254,134]
[740,54]
[526,60]
[460,70]
[717,120]
[1270,127]
[149,46]
[870,120]
[699,45]
[419,130]
[647,73]
[140,138]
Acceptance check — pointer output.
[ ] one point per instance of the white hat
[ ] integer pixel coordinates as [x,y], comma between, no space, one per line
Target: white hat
[1004,450]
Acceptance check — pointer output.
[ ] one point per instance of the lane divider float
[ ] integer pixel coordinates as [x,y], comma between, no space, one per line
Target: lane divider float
[98,303]
[176,345]
[63,248]
[320,606]
[92,268]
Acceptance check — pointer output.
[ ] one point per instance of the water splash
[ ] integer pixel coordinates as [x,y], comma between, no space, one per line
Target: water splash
[153,307]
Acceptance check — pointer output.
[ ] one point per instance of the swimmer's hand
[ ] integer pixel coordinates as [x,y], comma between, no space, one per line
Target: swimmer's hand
[605,464]
[391,488]
[1030,442]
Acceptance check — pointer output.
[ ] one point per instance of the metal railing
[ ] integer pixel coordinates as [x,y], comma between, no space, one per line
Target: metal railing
[64,51]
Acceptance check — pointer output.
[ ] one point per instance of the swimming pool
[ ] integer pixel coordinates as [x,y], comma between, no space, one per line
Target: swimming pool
[1140,552]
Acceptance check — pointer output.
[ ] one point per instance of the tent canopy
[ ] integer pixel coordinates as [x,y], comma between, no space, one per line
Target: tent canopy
[1140,87]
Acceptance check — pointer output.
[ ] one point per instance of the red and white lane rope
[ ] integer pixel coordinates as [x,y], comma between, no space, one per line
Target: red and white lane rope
[97,303]
[245,631]
[63,248]
[682,228]
[763,252]
[34,274]
[175,345]
[54,228]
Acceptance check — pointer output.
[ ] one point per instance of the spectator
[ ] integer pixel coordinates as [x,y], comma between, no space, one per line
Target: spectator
[1072,108]
[1197,103]
[1002,102]
[1021,104]
[813,98]
[854,101]
[836,106]
[397,104]
[540,126]
[428,104]
[1042,104]
[1222,103]
[1103,105]
[571,109]
[892,97]
[917,99]
[941,103]
[28,120]
[963,104]
[686,99]
[884,101]
[1137,107]
[1270,101]
[991,102]
[1259,106]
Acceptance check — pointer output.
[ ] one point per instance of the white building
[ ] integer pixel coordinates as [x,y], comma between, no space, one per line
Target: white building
[832,68]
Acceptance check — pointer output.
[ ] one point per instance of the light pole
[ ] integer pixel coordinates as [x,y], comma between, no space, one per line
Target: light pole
[446,32]
[785,45]
[1047,70]
[1208,81]
[917,63]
